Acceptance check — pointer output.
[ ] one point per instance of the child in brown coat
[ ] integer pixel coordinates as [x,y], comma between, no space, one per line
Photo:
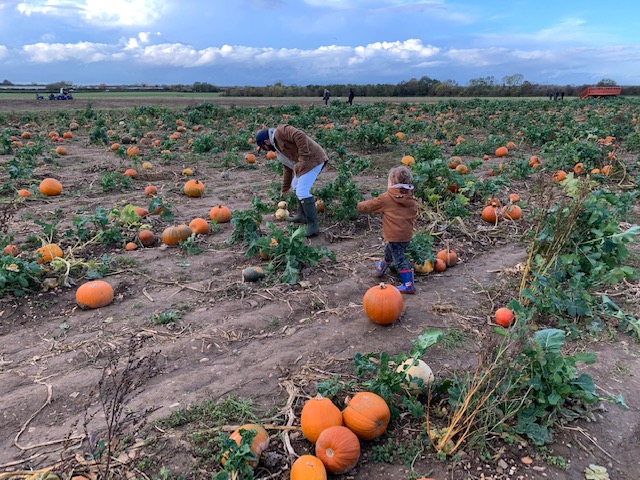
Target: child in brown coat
[399,209]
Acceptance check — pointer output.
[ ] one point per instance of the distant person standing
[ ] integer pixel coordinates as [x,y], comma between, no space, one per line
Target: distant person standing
[556,95]
[561,95]
[351,95]
[325,96]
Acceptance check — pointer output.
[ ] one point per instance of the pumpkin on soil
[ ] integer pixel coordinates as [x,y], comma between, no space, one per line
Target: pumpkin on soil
[150,190]
[10,250]
[318,414]
[50,187]
[502,151]
[308,467]
[512,212]
[199,226]
[61,151]
[423,268]
[448,256]
[440,265]
[130,246]
[146,237]
[172,236]
[559,176]
[259,444]
[504,317]
[338,448]
[271,155]
[130,172]
[46,253]
[250,158]
[94,294]
[383,304]
[252,274]
[367,415]
[23,192]
[194,188]
[220,214]
[415,368]
[490,214]
[133,151]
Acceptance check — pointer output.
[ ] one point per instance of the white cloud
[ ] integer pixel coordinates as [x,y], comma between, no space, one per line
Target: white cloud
[109,13]
[4,51]
[82,52]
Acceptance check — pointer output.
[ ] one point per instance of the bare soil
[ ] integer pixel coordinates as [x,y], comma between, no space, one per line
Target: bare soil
[254,339]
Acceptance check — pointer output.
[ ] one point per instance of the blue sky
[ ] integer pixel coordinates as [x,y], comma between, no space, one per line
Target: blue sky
[302,42]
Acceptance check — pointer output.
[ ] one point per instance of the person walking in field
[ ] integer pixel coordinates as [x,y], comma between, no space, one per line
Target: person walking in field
[399,209]
[325,97]
[303,160]
[351,96]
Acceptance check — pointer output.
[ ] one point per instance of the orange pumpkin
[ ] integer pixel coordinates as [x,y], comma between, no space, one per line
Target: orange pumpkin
[130,246]
[514,198]
[534,160]
[67,135]
[13,251]
[130,172]
[142,212]
[318,414]
[367,415]
[150,190]
[448,256]
[220,214]
[260,441]
[250,158]
[439,265]
[504,317]
[133,151]
[462,169]
[271,155]
[172,236]
[194,188]
[23,192]
[578,167]
[50,187]
[94,294]
[338,448]
[61,151]
[319,205]
[115,146]
[199,226]
[48,252]
[408,160]
[607,170]
[308,467]
[560,175]
[382,304]
[146,237]
[512,212]
[502,152]
[490,214]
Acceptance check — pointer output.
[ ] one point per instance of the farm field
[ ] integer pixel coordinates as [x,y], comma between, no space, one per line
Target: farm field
[143,386]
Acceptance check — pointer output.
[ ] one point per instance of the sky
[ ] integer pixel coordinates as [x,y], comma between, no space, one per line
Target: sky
[317,42]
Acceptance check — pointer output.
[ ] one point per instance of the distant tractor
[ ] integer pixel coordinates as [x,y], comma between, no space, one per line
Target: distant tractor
[599,92]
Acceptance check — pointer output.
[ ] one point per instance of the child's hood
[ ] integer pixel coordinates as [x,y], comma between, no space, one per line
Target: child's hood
[401,196]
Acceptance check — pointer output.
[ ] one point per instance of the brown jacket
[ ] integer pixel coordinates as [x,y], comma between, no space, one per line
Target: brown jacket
[399,209]
[304,152]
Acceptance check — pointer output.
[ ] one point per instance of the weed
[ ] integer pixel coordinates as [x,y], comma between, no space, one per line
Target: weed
[166,317]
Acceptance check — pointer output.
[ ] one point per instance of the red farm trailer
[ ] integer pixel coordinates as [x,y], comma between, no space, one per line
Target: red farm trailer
[598,92]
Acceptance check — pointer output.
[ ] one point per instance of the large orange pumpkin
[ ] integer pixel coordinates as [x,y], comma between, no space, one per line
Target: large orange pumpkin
[501,151]
[490,214]
[174,235]
[220,214]
[382,304]
[338,448]
[448,256]
[199,226]
[512,212]
[367,415]
[318,414]
[146,237]
[260,441]
[94,294]
[50,187]
[46,253]
[308,467]
[194,188]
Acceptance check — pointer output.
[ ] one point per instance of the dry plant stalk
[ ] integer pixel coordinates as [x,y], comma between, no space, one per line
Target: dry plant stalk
[478,399]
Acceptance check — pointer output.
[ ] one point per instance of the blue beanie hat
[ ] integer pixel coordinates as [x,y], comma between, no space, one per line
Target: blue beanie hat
[261,137]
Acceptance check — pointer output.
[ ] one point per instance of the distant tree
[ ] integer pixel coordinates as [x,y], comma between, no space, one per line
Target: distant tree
[58,85]
[6,82]
[606,82]
[514,80]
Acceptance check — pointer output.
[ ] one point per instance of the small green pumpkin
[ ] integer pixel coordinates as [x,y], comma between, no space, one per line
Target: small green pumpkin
[252,274]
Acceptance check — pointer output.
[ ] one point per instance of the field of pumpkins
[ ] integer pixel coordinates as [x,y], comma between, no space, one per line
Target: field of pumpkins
[161,319]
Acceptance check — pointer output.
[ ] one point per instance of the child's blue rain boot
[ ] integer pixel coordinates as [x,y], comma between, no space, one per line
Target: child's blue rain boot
[381,267]
[407,282]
